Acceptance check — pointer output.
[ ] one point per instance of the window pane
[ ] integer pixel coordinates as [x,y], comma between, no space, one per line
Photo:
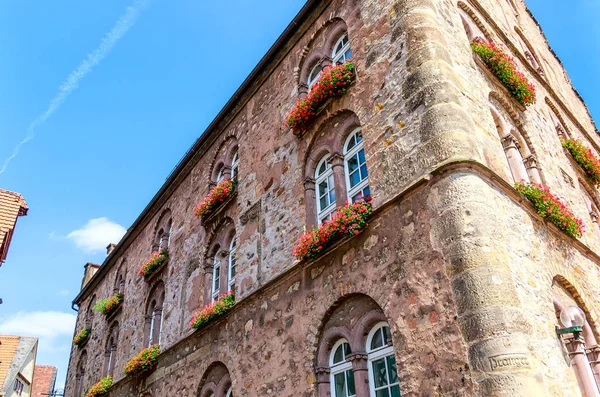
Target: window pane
[396,391]
[366,192]
[352,164]
[338,357]
[348,54]
[387,335]
[377,340]
[351,388]
[351,143]
[363,172]
[382,393]
[379,373]
[361,156]
[340,385]
[391,365]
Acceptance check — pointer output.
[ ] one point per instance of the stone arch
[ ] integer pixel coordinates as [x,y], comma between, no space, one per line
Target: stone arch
[153,313]
[89,312]
[468,12]
[573,288]
[217,251]
[121,278]
[110,349]
[561,125]
[218,234]
[215,381]
[530,53]
[80,374]
[223,157]
[162,230]
[329,32]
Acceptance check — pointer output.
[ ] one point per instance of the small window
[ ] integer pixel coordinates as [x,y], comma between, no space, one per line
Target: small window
[234,166]
[342,376]
[341,50]
[383,374]
[220,175]
[313,77]
[325,190]
[357,175]
[216,278]
[231,271]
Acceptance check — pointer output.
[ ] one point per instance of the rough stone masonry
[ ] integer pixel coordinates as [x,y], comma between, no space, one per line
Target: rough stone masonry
[460,268]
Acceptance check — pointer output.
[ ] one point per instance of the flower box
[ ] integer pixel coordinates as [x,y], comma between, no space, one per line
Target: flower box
[505,69]
[346,221]
[153,264]
[585,158]
[143,362]
[82,336]
[334,81]
[100,388]
[217,196]
[551,207]
[109,306]
[214,310]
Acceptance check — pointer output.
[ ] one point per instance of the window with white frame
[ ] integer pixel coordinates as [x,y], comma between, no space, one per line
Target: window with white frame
[220,175]
[234,166]
[357,176]
[313,77]
[325,190]
[216,278]
[341,50]
[383,375]
[18,387]
[231,270]
[341,375]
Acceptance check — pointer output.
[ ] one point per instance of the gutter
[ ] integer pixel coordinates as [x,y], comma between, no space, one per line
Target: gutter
[178,171]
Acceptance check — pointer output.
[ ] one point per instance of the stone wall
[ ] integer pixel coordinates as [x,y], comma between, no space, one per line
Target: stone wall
[461,267]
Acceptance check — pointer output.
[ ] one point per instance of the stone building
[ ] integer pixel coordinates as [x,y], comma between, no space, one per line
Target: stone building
[455,286]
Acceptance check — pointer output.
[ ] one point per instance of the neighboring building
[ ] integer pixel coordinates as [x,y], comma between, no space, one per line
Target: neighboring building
[44,379]
[12,206]
[17,362]
[455,286]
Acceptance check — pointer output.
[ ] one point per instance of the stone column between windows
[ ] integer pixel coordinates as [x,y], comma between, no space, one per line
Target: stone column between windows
[323,385]
[157,323]
[226,172]
[337,165]
[532,168]
[581,366]
[224,271]
[593,353]
[155,247]
[310,202]
[515,161]
[147,326]
[208,272]
[360,368]
[164,240]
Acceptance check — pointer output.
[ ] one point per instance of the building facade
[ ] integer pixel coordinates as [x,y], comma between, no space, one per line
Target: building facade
[456,285]
[17,362]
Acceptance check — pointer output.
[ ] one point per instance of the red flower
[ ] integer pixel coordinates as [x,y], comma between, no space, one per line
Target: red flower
[157,259]
[217,195]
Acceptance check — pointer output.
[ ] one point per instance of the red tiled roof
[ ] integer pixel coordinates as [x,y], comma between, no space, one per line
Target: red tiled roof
[12,205]
[8,348]
[44,378]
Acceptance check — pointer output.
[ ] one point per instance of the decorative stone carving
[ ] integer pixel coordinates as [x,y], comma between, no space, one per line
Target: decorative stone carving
[510,142]
[252,214]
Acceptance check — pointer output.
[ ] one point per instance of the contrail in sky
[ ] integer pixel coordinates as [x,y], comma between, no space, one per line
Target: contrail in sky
[72,81]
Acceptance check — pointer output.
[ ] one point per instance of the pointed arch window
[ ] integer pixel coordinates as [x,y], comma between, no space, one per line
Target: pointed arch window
[231,265]
[383,374]
[342,376]
[357,175]
[341,50]
[216,278]
[324,182]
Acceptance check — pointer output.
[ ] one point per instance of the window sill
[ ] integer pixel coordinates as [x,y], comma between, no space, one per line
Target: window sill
[497,82]
[149,278]
[220,209]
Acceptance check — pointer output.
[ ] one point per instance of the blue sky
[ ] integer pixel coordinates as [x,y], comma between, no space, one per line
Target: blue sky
[100,156]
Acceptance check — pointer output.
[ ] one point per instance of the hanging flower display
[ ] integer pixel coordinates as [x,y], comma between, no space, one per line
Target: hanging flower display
[217,196]
[81,337]
[155,261]
[346,221]
[215,309]
[333,81]
[109,305]
[101,388]
[505,69]
[143,362]
[584,157]
[552,208]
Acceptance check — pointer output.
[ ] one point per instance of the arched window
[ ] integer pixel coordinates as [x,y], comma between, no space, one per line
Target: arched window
[220,175]
[313,77]
[162,236]
[357,176]
[341,50]
[231,267]
[342,376]
[216,278]
[89,313]
[325,190]
[154,316]
[234,166]
[80,375]
[111,350]
[383,375]
[229,393]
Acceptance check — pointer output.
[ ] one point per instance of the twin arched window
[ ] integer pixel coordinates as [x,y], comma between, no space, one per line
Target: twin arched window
[356,177]
[383,374]
[216,271]
[229,171]
[340,53]
[111,350]
[154,316]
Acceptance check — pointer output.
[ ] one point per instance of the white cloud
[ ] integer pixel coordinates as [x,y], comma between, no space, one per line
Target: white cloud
[97,234]
[63,292]
[50,327]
